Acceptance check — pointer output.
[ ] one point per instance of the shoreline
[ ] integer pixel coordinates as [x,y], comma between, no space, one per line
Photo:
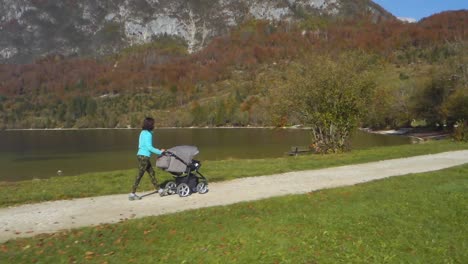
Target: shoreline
[416,136]
[103,128]
[408,132]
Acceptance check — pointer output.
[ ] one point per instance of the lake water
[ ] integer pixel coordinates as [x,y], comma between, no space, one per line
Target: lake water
[32,154]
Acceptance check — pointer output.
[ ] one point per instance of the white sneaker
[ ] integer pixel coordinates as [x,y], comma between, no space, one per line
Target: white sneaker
[133,196]
[163,192]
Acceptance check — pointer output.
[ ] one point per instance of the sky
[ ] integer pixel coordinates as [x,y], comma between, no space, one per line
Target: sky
[418,9]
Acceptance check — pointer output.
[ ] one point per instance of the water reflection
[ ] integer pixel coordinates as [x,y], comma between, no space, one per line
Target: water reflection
[40,154]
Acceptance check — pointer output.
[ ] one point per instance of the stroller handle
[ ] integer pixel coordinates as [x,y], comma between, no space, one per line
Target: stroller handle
[167,153]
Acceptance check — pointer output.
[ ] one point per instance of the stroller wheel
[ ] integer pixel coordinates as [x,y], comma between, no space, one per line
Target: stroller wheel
[183,190]
[170,187]
[202,187]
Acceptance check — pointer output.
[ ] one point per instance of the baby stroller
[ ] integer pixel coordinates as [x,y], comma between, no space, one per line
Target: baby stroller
[180,163]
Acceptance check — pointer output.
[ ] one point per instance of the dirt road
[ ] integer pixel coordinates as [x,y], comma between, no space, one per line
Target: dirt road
[48,217]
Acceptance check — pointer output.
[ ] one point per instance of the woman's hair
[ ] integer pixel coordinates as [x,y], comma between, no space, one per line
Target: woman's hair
[148,124]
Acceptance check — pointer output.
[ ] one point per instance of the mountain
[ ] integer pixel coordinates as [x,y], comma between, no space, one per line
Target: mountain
[229,81]
[30,29]
[407,19]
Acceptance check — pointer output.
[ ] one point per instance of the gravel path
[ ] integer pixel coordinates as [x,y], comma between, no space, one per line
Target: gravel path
[32,219]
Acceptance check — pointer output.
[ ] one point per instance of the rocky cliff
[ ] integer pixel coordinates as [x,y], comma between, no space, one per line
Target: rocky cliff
[33,28]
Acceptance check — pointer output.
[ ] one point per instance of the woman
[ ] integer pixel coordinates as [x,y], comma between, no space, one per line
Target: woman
[145,148]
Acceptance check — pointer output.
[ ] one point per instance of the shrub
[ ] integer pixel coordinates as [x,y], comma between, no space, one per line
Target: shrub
[460,131]
[329,95]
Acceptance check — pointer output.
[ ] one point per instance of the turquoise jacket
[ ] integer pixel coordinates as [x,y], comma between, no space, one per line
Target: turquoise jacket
[145,146]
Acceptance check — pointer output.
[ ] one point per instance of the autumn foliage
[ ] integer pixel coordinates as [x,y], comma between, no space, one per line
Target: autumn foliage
[179,78]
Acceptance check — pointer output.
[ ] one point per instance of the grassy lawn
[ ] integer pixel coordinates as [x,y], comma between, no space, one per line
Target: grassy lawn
[413,219]
[96,184]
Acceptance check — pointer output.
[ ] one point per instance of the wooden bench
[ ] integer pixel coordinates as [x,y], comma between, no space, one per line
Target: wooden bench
[296,150]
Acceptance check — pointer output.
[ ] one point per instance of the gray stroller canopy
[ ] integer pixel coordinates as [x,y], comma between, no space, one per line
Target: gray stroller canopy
[172,164]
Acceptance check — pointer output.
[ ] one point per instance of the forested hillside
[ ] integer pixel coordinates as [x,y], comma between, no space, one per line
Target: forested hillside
[422,76]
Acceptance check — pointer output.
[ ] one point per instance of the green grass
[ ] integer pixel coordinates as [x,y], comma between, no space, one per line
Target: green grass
[413,219]
[96,184]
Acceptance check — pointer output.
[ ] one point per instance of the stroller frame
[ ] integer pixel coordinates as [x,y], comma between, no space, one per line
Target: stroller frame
[181,185]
